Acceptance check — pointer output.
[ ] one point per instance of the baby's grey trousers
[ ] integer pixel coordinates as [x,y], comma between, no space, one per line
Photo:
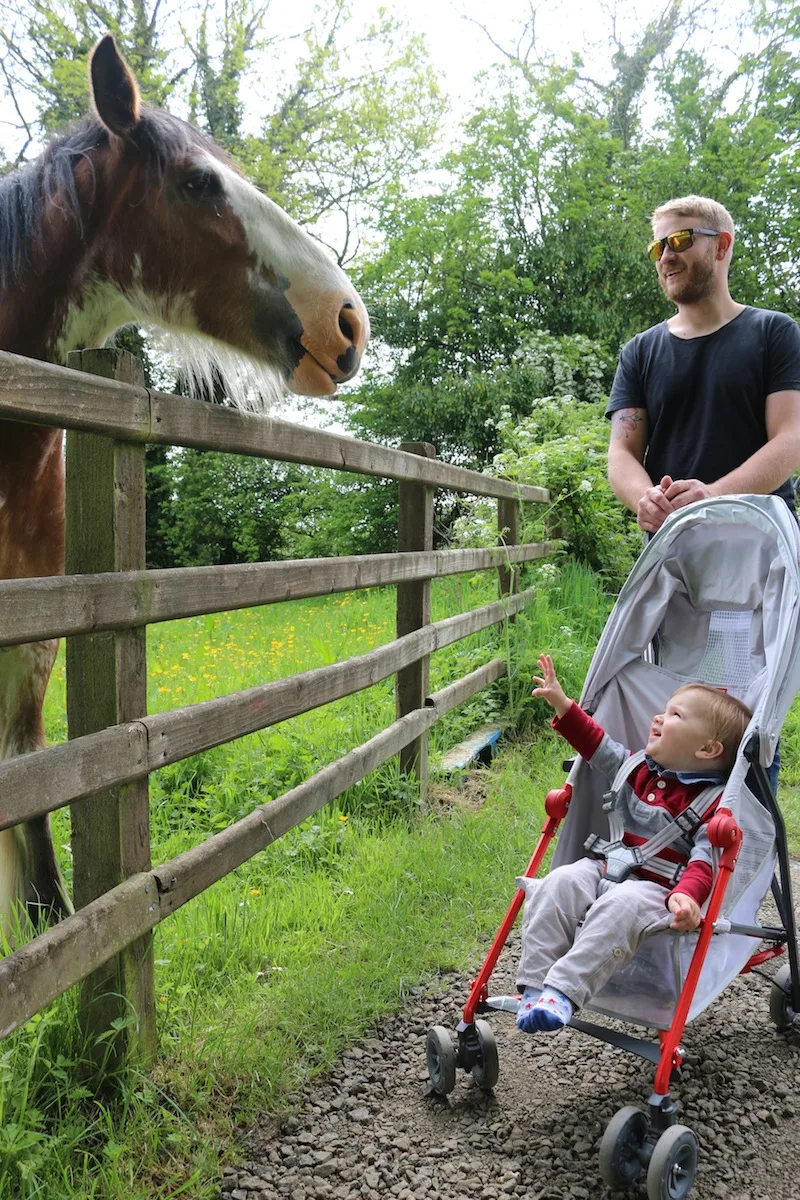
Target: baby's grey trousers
[616,920]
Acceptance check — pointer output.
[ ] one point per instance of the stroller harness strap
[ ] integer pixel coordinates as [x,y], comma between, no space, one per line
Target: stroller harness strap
[620,859]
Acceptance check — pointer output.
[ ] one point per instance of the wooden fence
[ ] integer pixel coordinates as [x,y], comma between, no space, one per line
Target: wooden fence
[103,606]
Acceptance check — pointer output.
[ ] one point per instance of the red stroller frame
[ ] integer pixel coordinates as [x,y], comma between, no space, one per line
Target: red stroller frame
[634,1140]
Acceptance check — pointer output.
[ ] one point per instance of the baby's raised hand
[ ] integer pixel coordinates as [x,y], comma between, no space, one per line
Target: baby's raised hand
[549,688]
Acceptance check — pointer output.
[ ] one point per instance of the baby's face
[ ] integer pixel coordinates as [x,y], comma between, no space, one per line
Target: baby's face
[679,732]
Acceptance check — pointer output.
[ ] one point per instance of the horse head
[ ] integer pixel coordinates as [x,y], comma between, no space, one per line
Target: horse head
[180,239]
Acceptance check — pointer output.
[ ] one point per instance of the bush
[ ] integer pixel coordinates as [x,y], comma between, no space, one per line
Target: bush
[560,444]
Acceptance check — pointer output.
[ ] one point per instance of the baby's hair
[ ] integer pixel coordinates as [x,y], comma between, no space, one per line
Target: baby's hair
[726,716]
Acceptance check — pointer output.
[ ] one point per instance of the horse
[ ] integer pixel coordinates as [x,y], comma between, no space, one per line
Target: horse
[136,216]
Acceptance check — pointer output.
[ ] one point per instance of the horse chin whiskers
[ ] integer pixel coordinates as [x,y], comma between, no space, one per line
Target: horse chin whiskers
[213,369]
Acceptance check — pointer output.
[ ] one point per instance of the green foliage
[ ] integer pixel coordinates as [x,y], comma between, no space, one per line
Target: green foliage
[563,446]
[205,508]
[48,43]
[459,414]
[340,514]
[226,508]
[361,109]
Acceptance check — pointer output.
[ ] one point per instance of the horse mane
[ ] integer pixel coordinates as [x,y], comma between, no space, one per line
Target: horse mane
[24,194]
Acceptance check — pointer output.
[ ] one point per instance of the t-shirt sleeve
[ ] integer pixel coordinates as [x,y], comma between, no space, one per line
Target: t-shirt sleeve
[627,390]
[783,374]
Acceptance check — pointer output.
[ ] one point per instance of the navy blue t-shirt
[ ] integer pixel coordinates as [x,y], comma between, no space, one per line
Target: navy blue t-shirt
[706,396]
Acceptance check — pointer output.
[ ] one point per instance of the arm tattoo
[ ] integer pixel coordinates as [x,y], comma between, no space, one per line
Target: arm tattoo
[624,422]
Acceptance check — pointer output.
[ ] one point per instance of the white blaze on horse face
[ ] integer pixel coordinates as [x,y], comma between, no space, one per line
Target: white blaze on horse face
[317,290]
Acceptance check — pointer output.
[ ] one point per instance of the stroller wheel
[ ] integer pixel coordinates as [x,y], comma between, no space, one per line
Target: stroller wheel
[620,1149]
[673,1166]
[441,1057]
[780,1004]
[486,1071]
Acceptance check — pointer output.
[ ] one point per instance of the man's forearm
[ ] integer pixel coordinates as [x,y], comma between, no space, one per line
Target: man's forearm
[628,479]
[765,470]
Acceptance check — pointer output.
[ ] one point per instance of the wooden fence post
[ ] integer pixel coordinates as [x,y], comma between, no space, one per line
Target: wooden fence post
[107,685]
[508,514]
[414,532]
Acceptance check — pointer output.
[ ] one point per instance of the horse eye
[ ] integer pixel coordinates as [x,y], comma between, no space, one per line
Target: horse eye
[200,185]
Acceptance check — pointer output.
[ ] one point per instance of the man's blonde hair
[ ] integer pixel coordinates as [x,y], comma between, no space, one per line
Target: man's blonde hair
[726,717]
[711,212]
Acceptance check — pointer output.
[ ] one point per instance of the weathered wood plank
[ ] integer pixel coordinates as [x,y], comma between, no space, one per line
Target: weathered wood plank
[34,975]
[134,750]
[68,952]
[414,534]
[59,607]
[45,394]
[180,422]
[107,686]
[44,780]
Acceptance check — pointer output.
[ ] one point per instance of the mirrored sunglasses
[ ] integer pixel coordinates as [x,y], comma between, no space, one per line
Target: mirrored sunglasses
[679,241]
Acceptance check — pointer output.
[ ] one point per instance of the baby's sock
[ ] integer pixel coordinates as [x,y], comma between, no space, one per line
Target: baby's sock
[551,1012]
[529,999]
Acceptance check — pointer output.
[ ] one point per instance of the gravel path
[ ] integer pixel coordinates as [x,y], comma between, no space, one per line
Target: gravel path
[373,1129]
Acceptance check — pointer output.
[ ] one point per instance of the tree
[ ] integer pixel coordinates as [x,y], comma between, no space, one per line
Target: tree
[228,508]
[459,413]
[542,214]
[46,47]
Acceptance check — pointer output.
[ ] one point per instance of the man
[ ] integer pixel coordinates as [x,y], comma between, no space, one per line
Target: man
[706,403]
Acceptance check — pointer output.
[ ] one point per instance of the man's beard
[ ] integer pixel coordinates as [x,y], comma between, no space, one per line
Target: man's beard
[696,284]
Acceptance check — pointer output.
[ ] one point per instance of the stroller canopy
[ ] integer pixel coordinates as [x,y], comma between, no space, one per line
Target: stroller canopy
[718,590]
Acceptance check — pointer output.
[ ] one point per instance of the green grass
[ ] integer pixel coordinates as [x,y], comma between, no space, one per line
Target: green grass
[266,978]
[263,979]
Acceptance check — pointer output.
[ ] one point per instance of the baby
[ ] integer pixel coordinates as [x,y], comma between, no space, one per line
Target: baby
[579,926]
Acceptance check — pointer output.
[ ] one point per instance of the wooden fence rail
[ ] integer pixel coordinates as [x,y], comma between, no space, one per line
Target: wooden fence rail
[59,607]
[103,606]
[51,395]
[59,775]
[79,945]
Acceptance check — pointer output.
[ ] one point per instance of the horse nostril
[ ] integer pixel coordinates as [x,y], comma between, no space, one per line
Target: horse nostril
[354,328]
[348,362]
[354,324]
[344,324]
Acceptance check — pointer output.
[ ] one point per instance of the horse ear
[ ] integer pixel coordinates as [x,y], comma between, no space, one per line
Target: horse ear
[114,89]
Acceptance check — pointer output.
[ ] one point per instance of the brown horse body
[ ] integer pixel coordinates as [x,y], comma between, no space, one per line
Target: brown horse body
[136,216]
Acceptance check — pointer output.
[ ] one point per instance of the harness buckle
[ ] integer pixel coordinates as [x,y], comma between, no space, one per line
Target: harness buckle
[617,869]
[609,801]
[598,847]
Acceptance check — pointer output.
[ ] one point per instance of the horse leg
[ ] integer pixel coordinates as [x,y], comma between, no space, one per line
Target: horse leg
[29,871]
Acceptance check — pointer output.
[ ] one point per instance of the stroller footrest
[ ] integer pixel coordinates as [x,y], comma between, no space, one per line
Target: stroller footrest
[649,1050]
[503,1003]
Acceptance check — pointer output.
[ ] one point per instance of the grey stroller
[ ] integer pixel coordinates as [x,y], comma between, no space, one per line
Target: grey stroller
[715,596]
